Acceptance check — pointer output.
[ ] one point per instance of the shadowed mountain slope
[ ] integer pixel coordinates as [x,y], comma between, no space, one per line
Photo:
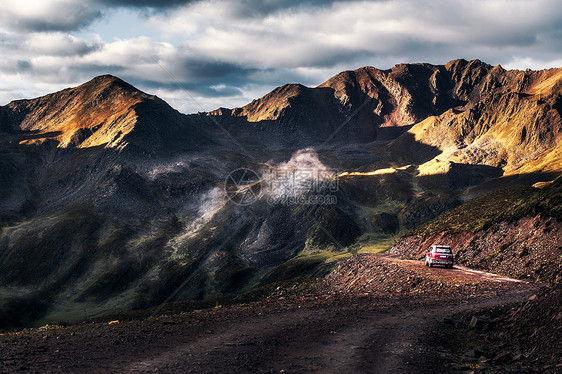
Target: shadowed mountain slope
[110,199]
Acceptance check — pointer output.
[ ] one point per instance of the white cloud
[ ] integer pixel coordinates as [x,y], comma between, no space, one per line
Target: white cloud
[325,36]
[58,44]
[133,53]
[522,63]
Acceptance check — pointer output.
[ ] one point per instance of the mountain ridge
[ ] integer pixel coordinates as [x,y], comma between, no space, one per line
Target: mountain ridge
[110,199]
[367,100]
[100,112]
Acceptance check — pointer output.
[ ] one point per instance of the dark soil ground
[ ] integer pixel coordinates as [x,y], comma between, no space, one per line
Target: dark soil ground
[521,338]
[393,319]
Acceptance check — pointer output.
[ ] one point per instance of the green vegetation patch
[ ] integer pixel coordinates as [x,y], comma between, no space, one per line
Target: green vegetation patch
[546,201]
[310,266]
[507,204]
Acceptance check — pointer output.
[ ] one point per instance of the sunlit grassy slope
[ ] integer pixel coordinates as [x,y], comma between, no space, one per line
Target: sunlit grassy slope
[506,204]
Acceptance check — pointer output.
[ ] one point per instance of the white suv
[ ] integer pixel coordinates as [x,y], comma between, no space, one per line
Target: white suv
[439,255]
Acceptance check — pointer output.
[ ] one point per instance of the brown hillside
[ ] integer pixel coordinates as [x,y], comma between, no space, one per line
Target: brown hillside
[510,120]
[472,112]
[98,112]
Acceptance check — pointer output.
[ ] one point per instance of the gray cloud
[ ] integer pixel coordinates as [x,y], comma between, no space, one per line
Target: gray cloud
[23,65]
[48,15]
[145,3]
[241,8]
[253,8]
[200,69]
[208,89]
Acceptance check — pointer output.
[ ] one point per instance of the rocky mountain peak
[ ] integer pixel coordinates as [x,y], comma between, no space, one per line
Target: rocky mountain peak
[98,112]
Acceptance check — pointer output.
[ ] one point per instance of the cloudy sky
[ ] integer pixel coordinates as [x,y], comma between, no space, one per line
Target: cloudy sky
[202,54]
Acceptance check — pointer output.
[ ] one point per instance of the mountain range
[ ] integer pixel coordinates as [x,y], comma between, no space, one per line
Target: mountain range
[111,200]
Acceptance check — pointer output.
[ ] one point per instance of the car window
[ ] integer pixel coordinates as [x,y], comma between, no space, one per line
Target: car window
[443,250]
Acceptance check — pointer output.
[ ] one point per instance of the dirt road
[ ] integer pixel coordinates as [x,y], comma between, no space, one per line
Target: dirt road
[373,332]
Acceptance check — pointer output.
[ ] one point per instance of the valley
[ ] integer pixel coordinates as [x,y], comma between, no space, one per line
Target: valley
[262,224]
